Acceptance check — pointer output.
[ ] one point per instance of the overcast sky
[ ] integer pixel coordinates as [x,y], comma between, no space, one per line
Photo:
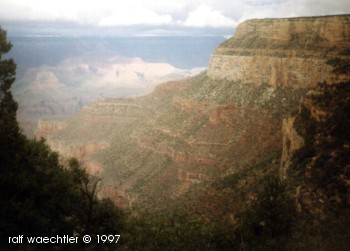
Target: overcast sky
[153,17]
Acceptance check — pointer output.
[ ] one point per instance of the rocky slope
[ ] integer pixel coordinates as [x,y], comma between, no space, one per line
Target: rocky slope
[189,134]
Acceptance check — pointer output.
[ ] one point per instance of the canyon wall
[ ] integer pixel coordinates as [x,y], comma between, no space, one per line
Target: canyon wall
[154,148]
[316,149]
[288,52]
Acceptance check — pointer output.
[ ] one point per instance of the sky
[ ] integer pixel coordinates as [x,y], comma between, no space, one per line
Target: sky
[151,17]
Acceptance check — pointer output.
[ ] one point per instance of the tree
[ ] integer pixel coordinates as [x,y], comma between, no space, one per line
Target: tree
[10,137]
[9,129]
[268,222]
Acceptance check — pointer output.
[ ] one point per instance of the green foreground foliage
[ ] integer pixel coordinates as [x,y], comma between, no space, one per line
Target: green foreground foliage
[268,222]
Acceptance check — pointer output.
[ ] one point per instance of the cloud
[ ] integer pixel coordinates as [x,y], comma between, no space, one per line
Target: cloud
[182,14]
[102,12]
[262,2]
[290,8]
[135,17]
[315,7]
[206,16]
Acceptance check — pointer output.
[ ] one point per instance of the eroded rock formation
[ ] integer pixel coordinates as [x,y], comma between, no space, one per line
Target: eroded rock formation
[288,52]
[47,127]
[292,142]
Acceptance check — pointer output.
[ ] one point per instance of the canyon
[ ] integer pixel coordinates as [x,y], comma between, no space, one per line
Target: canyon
[189,134]
[62,90]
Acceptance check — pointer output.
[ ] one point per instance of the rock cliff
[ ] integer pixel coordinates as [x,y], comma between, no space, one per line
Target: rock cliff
[292,142]
[316,149]
[290,52]
[47,127]
[190,133]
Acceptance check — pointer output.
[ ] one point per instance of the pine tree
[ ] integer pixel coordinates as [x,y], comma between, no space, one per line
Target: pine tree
[9,130]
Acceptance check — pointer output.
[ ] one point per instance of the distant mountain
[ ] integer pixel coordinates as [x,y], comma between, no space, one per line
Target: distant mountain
[57,76]
[184,52]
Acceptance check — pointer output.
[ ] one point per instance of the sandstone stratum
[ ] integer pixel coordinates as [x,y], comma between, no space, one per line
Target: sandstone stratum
[187,135]
[287,52]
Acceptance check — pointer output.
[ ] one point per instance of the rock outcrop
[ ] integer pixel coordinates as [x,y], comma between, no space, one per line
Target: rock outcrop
[47,127]
[292,142]
[287,52]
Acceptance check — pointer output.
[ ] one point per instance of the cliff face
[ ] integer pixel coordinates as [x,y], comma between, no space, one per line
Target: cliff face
[292,142]
[47,127]
[316,149]
[289,52]
[155,148]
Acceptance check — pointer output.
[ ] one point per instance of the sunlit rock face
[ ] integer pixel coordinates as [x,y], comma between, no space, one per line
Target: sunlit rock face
[292,142]
[290,52]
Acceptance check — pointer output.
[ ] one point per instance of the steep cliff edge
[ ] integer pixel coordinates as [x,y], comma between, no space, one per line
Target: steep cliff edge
[288,52]
[316,164]
[189,134]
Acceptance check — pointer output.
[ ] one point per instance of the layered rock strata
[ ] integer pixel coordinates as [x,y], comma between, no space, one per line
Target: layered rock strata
[288,52]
